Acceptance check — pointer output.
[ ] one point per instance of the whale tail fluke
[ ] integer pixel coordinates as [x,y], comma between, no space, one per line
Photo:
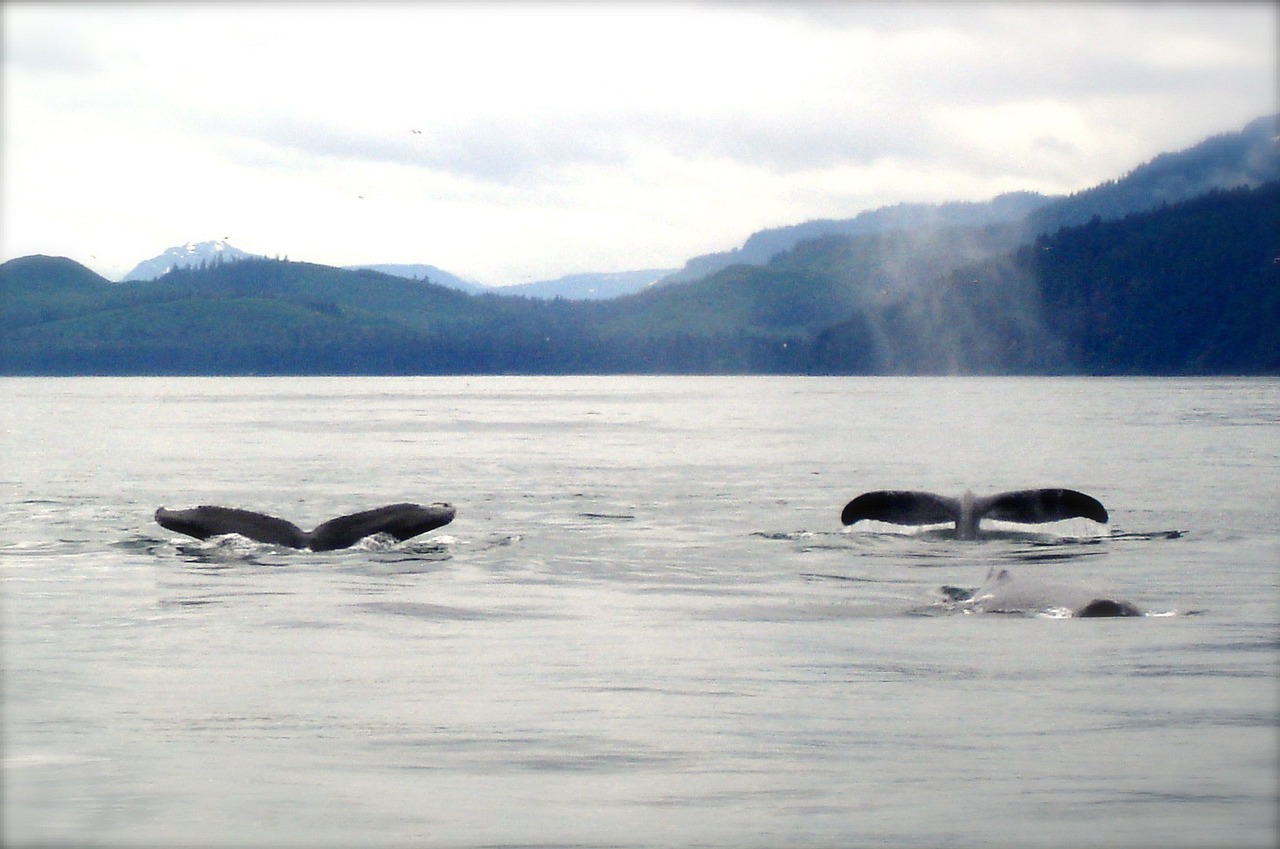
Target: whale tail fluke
[207,521]
[1026,506]
[402,521]
[1036,506]
[901,507]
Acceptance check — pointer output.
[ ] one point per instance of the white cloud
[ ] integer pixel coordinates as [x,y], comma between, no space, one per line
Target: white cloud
[522,141]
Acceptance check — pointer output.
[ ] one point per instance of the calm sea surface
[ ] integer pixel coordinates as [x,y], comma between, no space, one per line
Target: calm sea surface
[646,627]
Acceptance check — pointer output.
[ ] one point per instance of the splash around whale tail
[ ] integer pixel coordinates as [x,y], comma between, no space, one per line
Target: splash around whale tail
[401,521]
[1026,506]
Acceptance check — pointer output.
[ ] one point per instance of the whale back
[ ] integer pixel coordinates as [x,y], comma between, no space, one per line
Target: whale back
[1002,592]
[1107,607]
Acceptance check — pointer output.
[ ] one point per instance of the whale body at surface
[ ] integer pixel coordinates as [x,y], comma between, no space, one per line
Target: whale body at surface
[1001,592]
[401,521]
[1025,506]
[1103,607]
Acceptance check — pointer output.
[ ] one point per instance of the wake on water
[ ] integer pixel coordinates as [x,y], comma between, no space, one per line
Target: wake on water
[1002,591]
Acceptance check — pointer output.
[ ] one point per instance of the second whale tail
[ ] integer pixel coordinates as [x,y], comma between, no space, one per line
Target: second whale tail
[401,521]
[1027,506]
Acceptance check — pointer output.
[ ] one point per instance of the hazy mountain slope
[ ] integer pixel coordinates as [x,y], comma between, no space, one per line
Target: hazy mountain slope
[425,273]
[1191,288]
[1249,157]
[592,286]
[818,283]
[764,245]
[575,287]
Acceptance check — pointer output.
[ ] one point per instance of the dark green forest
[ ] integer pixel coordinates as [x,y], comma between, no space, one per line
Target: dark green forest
[1188,288]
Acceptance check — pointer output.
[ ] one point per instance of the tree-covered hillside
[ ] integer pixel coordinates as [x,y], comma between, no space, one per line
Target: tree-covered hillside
[1193,287]
[266,317]
[1250,157]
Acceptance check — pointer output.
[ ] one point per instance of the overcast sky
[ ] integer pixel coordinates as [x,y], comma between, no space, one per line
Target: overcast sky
[514,142]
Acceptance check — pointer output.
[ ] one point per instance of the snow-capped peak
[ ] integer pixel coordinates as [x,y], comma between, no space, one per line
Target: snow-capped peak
[186,256]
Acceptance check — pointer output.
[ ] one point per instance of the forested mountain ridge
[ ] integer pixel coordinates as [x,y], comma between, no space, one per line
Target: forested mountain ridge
[1192,287]
[1249,157]
[426,273]
[260,316]
[762,246]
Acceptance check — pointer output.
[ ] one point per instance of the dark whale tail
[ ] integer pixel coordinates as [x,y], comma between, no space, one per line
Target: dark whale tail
[402,521]
[1035,506]
[1027,506]
[901,507]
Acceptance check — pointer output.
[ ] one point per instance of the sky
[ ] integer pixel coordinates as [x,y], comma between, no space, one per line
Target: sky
[512,142]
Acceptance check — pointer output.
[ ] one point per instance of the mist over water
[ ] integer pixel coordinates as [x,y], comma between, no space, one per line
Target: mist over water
[646,626]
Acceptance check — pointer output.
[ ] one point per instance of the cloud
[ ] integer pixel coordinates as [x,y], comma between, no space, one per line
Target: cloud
[568,134]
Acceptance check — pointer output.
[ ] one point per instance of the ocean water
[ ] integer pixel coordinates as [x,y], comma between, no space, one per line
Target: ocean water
[646,626]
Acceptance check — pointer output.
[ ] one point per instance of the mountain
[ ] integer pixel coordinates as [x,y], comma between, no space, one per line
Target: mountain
[263,316]
[427,273]
[1249,157]
[1189,288]
[190,255]
[1180,287]
[574,287]
[43,289]
[588,287]
[762,246]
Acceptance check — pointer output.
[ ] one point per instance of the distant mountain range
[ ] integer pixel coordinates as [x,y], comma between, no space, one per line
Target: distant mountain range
[764,245]
[578,287]
[1125,278]
[1249,157]
[588,287]
[204,254]
[575,287]
[425,273]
